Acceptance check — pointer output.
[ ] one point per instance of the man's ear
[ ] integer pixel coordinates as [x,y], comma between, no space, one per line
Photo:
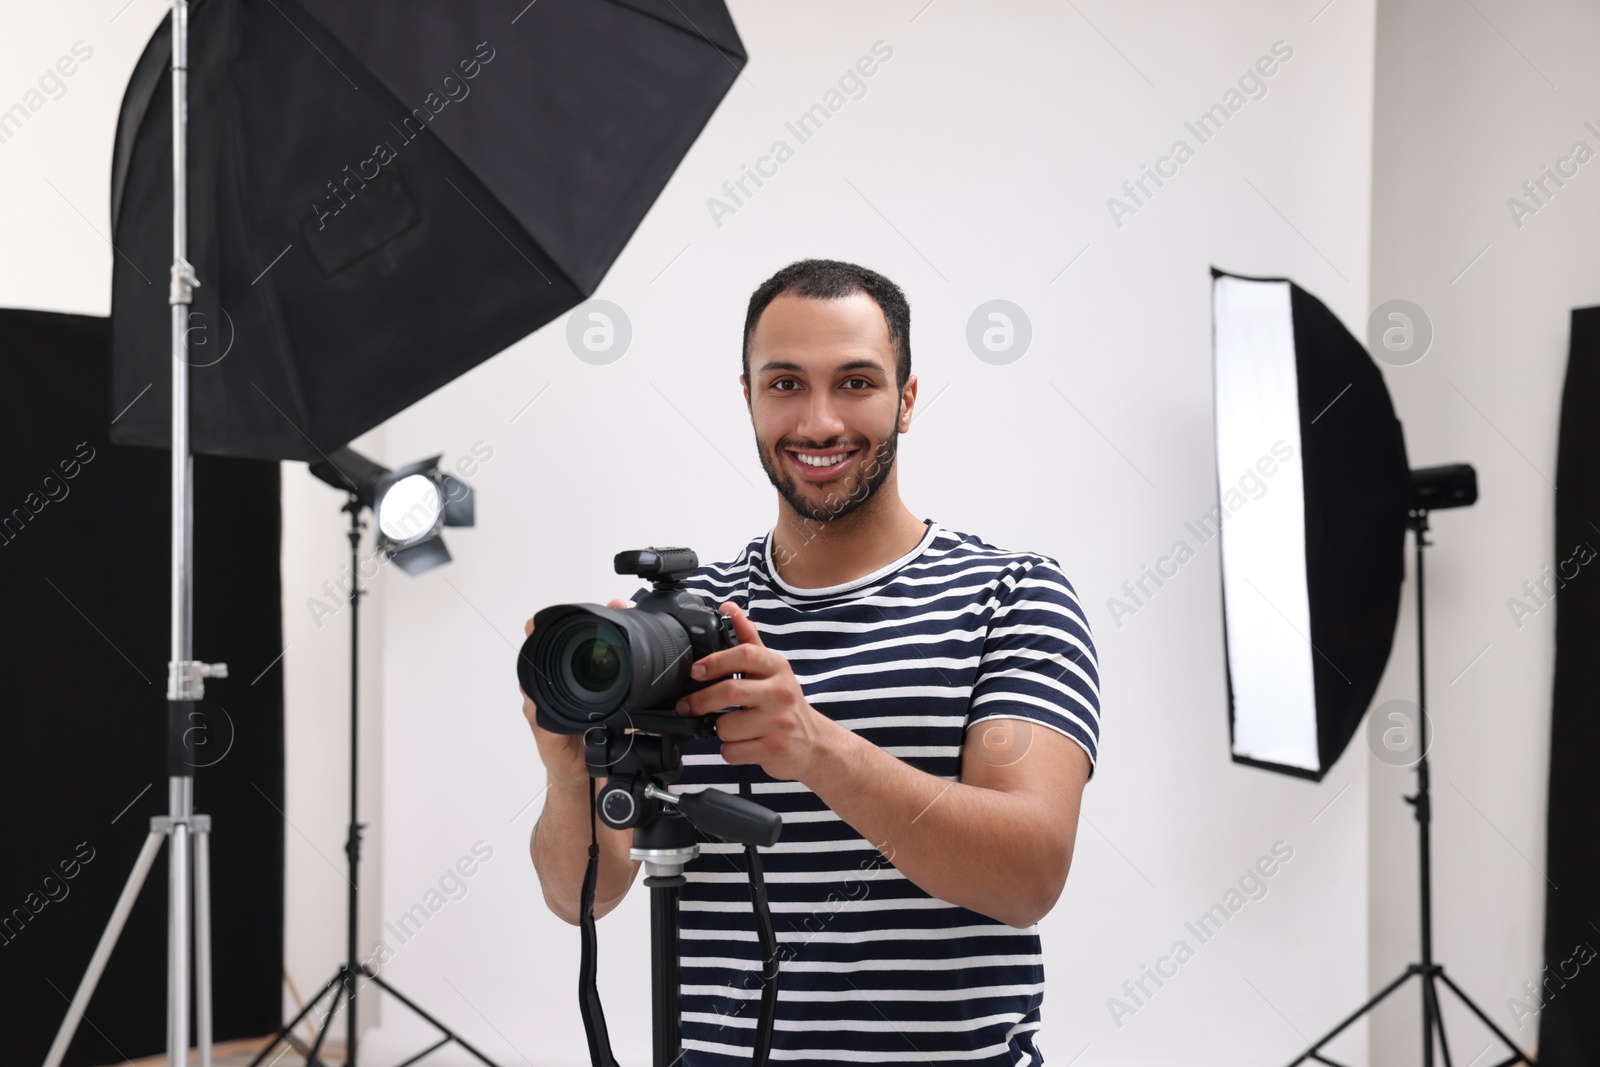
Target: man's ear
[744,383]
[908,403]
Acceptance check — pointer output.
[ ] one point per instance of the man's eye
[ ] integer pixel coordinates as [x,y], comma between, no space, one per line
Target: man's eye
[785,385]
[858,383]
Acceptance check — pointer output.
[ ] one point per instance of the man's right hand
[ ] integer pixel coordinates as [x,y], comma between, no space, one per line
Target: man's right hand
[562,754]
[560,838]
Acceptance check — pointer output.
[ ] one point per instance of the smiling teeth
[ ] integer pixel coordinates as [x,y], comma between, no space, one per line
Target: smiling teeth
[822,461]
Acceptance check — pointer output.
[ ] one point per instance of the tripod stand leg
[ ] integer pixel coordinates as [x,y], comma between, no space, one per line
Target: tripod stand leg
[178,947]
[102,951]
[1314,1051]
[1521,1056]
[443,1029]
[1429,1014]
[1431,991]
[202,941]
[283,1035]
[327,1023]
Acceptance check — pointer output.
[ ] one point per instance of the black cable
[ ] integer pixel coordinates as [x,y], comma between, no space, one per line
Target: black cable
[769,943]
[594,1016]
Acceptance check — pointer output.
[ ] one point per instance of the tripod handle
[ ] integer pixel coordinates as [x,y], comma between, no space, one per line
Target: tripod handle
[731,818]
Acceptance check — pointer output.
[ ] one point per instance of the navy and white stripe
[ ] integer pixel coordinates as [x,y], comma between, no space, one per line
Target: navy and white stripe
[875,970]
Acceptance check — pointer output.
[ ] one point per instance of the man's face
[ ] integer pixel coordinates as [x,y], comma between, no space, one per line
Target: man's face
[823,400]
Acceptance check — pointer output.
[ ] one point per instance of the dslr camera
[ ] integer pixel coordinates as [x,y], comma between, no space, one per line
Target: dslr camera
[588,666]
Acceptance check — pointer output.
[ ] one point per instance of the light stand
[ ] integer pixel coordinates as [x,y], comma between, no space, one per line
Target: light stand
[185,677]
[1430,972]
[343,985]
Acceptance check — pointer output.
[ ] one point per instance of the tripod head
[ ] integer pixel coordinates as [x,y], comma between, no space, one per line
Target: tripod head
[638,767]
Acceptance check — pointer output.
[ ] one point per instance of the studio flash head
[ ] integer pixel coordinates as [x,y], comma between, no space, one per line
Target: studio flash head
[586,665]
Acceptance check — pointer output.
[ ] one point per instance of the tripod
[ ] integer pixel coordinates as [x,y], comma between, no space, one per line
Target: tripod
[343,985]
[1430,972]
[640,765]
[189,857]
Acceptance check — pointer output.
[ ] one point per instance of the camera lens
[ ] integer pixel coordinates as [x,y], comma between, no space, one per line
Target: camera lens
[591,660]
[596,664]
[586,665]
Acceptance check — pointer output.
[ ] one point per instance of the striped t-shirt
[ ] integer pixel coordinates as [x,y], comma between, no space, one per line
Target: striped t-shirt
[873,969]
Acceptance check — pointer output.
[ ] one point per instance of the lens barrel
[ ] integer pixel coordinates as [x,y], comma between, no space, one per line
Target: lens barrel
[586,665]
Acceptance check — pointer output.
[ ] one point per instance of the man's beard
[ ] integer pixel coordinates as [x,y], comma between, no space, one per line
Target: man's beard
[868,477]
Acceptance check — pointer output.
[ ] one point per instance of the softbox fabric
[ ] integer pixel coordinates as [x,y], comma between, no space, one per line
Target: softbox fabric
[84,557]
[1312,569]
[1569,1023]
[383,196]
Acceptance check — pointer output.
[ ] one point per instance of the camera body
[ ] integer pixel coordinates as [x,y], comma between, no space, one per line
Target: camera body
[587,666]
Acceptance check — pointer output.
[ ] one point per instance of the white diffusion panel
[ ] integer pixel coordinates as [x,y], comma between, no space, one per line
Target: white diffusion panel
[1266,604]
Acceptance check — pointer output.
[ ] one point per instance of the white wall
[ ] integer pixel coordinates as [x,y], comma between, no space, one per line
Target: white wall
[316,666]
[1471,109]
[977,166]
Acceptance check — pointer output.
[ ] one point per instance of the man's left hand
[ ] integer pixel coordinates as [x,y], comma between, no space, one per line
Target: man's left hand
[775,727]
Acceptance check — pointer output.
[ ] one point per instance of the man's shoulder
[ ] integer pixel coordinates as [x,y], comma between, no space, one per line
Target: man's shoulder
[732,569]
[960,551]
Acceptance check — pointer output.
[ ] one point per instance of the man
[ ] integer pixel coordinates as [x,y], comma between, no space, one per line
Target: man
[921,707]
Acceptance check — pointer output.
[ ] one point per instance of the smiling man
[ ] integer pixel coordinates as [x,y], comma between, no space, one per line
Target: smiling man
[921,707]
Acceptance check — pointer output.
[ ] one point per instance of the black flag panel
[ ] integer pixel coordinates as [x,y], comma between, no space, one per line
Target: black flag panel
[1569,1010]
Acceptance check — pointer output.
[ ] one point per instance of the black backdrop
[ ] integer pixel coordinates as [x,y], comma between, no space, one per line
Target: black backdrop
[84,645]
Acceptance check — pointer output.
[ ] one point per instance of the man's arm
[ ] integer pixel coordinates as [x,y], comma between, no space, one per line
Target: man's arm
[999,841]
[560,849]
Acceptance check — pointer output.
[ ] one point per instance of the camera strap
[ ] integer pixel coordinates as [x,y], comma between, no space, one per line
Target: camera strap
[765,933]
[768,939]
[594,1016]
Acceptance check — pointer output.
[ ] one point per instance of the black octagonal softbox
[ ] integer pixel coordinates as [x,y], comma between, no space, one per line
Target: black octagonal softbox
[382,196]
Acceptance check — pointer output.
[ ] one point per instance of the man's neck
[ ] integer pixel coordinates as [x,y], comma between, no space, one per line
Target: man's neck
[809,554]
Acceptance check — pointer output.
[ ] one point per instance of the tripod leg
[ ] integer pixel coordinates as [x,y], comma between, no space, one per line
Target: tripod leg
[327,1024]
[1432,993]
[202,942]
[1429,1014]
[1314,1050]
[283,1035]
[102,951]
[1501,1034]
[179,947]
[443,1029]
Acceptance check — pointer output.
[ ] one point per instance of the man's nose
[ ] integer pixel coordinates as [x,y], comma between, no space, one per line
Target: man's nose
[821,420]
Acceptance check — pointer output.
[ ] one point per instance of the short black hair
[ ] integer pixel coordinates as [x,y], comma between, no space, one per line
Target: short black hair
[832,279]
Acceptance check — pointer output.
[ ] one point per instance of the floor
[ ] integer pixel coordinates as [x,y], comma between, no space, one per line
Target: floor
[243,1052]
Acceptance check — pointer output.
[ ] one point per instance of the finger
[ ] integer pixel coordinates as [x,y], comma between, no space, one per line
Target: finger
[743,628]
[527,628]
[751,660]
[742,752]
[725,694]
[748,725]
[616,602]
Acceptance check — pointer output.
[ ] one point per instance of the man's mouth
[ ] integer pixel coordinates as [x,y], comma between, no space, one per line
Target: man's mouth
[821,465]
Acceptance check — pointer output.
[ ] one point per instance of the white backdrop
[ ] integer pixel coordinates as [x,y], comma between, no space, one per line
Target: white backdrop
[1474,106]
[976,165]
